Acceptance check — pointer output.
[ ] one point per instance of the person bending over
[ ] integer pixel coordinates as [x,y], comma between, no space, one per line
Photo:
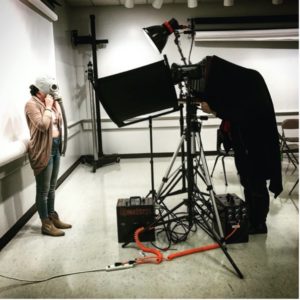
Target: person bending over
[240,97]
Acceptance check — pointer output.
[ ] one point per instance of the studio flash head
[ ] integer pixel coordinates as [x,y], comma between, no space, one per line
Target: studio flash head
[192,74]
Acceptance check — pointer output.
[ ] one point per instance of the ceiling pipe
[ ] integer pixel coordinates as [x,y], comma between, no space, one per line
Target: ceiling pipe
[157,4]
[192,3]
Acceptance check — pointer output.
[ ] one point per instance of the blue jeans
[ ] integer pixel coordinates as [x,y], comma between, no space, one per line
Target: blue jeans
[46,182]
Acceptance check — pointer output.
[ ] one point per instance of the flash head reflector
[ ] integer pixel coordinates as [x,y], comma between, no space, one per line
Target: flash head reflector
[137,92]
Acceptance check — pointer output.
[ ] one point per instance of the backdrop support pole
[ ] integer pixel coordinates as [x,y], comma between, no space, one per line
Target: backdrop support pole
[91,40]
[95,73]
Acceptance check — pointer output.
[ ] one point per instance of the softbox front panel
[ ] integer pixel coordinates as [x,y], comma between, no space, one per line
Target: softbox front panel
[137,92]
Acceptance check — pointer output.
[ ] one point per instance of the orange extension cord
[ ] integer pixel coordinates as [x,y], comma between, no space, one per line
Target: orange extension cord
[158,258]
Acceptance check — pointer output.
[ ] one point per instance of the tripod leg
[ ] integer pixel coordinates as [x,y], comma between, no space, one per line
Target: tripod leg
[209,186]
[226,253]
[168,189]
[212,173]
[224,170]
[165,178]
[294,186]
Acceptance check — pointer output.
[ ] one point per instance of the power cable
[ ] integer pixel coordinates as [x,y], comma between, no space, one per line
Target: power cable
[53,277]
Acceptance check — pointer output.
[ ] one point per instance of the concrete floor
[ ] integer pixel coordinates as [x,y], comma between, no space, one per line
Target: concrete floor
[88,200]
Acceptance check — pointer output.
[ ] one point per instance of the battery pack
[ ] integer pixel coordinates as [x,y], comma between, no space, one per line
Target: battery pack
[133,213]
[233,215]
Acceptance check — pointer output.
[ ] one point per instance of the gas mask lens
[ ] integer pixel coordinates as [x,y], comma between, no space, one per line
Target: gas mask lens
[54,91]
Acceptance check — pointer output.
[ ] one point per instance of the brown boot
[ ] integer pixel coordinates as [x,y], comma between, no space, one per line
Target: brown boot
[57,222]
[49,229]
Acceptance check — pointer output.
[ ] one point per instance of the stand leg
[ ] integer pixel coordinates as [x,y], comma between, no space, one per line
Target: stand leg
[209,186]
[98,159]
[224,170]
[165,178]
[227,255]
[212,172]
[152,192]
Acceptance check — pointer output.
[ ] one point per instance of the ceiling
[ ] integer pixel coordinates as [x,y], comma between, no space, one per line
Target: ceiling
[159,3]
[121,2]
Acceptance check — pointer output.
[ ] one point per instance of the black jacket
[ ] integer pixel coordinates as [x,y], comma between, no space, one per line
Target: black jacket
[241,96]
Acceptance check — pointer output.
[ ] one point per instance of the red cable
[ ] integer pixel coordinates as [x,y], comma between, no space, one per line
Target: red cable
[194,250]
[158,255]
[200,249]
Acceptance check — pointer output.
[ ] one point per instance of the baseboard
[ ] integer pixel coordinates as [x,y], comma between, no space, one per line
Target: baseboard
[10,234]
[158,154]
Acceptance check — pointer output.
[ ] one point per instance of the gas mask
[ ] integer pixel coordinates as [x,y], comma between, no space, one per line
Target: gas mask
[48,85]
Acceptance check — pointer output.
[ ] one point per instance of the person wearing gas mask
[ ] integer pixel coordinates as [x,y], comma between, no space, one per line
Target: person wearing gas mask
[44,119]
[240,97]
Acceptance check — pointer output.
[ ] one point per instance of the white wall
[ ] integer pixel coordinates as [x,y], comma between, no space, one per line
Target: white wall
[27,49]
[67,78]
[22,59]
[29,45]
[128,48]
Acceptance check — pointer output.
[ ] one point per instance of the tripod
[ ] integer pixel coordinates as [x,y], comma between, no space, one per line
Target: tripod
[201,206]
[198,169]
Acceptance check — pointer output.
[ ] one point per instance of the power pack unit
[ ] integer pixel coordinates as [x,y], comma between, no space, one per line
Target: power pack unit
[133,213]
[233,214]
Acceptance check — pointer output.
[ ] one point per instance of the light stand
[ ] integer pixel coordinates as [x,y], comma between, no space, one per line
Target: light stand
[93,114]
[102,159]
[152,192]
[201,207]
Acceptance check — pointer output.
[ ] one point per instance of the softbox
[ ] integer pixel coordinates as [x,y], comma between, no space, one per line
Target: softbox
[137,92]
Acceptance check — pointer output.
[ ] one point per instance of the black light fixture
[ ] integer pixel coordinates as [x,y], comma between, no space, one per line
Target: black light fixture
[142,91]
[159,33]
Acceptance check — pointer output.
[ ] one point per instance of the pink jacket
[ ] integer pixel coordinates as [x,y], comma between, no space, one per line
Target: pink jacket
[39,123]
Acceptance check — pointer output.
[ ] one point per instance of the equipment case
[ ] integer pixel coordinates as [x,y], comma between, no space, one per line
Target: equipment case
[133,213]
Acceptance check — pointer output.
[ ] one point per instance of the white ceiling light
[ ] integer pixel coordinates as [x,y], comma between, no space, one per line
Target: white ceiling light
[192,3]
[228,2]
[129,3]
[289,34]
[277,2]
[157,4]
